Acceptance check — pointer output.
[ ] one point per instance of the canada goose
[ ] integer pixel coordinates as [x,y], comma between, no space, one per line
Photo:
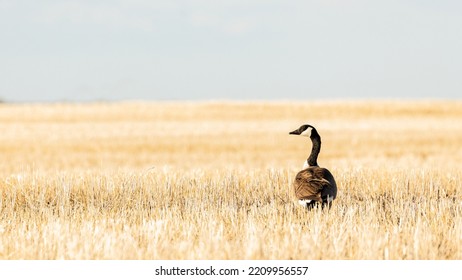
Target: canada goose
[313,184]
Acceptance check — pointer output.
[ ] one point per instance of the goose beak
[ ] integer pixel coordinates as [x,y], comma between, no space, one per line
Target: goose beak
[295,132]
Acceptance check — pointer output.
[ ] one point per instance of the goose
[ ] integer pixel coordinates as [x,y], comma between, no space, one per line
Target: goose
[313,184]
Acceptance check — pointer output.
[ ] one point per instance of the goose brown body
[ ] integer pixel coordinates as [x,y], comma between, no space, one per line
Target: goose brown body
[314,184]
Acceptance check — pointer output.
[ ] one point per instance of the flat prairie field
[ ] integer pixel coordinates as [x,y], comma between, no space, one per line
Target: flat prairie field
[213,180]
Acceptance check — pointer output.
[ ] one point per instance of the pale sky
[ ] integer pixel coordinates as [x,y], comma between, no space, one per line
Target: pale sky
[211,49]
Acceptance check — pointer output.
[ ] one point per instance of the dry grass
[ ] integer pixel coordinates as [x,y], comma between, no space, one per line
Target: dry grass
[213,181]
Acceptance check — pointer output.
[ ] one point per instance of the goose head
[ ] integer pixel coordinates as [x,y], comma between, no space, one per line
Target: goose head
[305,130]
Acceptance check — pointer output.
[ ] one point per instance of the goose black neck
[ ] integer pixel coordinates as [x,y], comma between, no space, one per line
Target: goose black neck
[316,148]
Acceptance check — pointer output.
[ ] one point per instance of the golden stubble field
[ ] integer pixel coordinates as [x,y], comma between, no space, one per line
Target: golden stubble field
[211,180]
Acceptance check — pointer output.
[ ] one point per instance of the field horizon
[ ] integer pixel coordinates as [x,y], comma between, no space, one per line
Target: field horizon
[213,180]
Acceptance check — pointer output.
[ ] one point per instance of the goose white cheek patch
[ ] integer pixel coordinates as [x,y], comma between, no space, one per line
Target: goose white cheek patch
[307,132]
